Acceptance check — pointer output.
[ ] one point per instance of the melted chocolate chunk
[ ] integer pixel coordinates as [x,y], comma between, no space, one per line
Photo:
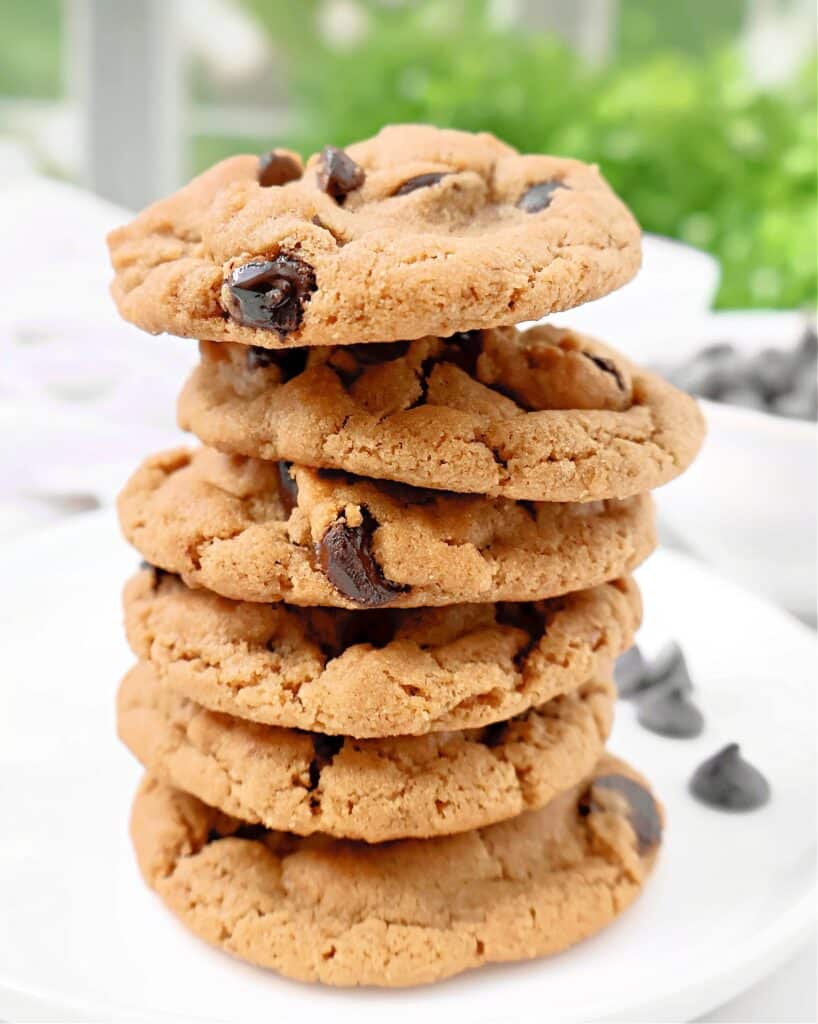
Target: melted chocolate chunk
[730,783]
[538,197]
[276,168]
[326,747]
[607,366]
[420,181]
[271,294]
[338,174]
[494,734]
[346,558]
[288,488]
[643,814]
[670,712]
[290,361]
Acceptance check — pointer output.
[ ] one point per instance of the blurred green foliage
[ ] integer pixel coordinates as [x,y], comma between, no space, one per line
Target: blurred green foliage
[30,48]
[696,150]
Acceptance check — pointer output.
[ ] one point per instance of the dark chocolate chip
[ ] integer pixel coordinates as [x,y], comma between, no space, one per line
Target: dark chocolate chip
[667,671]
[326,747]
[494,734]
[643,814]
[630,672]
[158,574]
[290,361]
[538,197]
[244,831]
[730,783]
[527,617]
[338,174]
[607,366]
[275,168]
[670,713]
[288,488]
[378,352]
[346,558]
[420,181]
[271,294]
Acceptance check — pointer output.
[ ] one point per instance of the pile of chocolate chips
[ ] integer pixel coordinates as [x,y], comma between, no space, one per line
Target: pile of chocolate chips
[782,381]
[662,687]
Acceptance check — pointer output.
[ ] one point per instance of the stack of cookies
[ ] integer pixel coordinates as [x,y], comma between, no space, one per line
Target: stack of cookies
[380,606]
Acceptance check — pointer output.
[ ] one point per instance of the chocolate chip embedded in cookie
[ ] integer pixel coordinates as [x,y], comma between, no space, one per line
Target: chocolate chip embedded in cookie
[417,231]
[278,167]
[228,524]
[371,789]
[323,910]
[385,672]
[544,415]
[270,293]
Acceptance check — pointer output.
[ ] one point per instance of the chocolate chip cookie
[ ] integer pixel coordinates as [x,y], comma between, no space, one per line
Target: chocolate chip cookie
[384,672]
[416,231]
[262,531]
[409,912]
[370,789]
[545,415]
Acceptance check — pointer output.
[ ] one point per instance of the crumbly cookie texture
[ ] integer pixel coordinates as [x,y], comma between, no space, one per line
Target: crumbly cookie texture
[403,913]
[428,231]
[370,789]
[544,415]
[259,531]
[384,672]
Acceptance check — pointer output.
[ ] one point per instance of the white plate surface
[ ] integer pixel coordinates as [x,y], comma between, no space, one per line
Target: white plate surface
[82,938]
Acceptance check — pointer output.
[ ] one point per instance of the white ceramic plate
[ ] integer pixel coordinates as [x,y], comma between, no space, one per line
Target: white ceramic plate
[81,938]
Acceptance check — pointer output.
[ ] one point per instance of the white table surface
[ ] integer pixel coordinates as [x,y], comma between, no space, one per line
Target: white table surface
[95,394]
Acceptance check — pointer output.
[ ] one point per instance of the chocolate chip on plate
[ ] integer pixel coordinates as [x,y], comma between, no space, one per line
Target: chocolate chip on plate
[270,294]
[670,712]
[277,168]
[420,181]
[538,197]
[667,671]
[730,783]
[630,672]
[338,174]
[606,793]
[346,558]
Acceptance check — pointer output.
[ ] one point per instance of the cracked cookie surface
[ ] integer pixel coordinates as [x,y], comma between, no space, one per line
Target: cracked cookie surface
[370,789]
[384,672]
[544,415]
[429,232]
[259,531]
[409,912]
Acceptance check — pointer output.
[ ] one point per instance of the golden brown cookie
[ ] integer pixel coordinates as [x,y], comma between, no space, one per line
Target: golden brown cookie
[370,789]
[384,672]
[256,531]
[416,231]
[409,912]
[545,415]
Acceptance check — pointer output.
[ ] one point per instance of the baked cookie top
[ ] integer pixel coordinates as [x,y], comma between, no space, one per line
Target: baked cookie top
[369,789]
[544,415]
[259,531]
[416,231]
[383,672]
[409,912]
